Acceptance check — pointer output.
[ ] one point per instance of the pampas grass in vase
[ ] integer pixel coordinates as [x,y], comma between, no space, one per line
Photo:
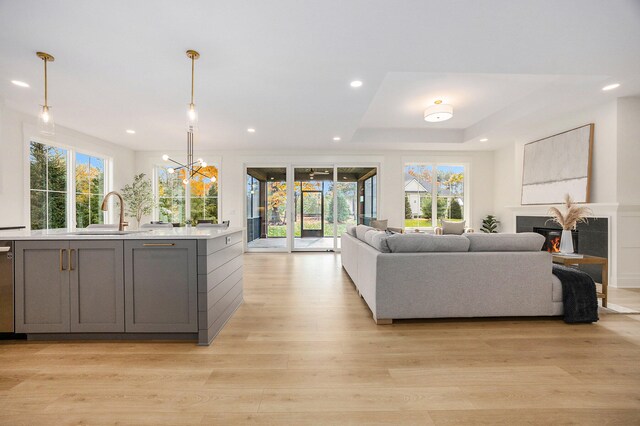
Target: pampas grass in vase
[569,220]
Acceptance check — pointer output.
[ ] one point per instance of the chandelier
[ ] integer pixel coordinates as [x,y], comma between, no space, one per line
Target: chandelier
[192,167]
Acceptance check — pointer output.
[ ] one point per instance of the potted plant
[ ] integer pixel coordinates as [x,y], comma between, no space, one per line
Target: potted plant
[138,197]
[569,220]
[490,224]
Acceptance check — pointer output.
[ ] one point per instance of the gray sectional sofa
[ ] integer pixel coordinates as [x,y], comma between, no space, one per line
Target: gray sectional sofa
[448,276]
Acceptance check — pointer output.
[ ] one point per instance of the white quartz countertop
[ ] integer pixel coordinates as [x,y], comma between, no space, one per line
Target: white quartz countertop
[182,233]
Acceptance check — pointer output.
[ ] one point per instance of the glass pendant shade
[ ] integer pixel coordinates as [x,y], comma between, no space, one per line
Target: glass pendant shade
[46,125]
[192,118]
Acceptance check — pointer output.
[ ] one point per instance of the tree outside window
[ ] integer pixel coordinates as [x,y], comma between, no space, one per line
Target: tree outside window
[420,191]
[89,190]
[48,186]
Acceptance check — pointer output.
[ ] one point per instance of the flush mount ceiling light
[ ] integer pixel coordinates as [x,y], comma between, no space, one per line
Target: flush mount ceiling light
[438,112]
[355,83]
[611,86]
[192,167]
[251,130]
[484,140]
[336,138]
[131,132]
[46,125]
[20,83]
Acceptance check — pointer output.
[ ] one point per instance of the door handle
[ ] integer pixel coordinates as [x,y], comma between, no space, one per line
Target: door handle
[71,252]
[158,244]
[62,268]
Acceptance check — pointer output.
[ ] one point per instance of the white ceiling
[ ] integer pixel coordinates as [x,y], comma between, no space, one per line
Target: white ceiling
[283,67]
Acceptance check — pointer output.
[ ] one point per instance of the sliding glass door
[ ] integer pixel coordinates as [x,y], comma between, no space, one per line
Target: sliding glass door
[266,208]
[313,218]
[321,201]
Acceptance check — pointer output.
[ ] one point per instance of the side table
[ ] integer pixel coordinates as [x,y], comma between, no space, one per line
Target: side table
[589,260]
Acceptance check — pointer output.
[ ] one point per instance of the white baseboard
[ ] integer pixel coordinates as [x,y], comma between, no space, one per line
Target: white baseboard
[628,281]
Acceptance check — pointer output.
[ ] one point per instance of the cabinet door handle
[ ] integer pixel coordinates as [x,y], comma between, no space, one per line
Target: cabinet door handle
[62,268]
[158,244]
[71,252]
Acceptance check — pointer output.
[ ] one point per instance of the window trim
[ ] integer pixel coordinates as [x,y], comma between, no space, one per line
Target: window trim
[434,189]
[70,221]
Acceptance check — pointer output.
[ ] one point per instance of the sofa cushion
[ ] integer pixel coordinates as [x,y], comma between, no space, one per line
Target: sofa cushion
[379,242]
[418,243]
[524,241]
[452,228]
[361,230]
[351,230]
[375,239]
[380,224]
[556,290]
[369,235]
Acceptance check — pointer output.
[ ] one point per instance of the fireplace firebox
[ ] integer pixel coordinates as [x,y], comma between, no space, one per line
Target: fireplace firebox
[552,239]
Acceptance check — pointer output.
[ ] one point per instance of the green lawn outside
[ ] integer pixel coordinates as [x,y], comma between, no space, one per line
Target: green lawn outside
[417,223]
[281,230]
[423,223]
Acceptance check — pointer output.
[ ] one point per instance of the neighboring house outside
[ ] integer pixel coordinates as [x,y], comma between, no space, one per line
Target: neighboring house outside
[416,190]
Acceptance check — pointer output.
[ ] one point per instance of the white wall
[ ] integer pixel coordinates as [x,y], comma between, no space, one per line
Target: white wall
[615,179]
[628,191]
[390,180]
[508,159]
[15,128]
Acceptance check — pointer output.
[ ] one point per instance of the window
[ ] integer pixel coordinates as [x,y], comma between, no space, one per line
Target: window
[60,197]
[89,190]
[170,196]
[420,191]
[204,195]
[48,186]
[171,200]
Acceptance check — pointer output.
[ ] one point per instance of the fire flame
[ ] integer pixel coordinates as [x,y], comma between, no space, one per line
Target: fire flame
[554,245]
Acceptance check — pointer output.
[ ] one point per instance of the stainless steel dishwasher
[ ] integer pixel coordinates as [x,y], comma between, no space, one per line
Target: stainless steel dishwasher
[6,287]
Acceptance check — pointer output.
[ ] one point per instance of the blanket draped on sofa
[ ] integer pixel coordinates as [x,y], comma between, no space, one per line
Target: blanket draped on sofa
[578,295]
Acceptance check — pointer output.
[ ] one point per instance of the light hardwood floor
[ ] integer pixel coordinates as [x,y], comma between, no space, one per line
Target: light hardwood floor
[303,349]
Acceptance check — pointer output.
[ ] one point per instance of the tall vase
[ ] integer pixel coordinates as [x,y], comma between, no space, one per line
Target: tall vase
[566,242]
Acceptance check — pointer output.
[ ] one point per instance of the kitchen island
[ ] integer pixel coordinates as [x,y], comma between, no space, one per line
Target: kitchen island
[170,284]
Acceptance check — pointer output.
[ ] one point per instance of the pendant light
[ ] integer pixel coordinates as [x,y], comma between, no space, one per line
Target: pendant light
[46,125]
[191,167]
[192,114]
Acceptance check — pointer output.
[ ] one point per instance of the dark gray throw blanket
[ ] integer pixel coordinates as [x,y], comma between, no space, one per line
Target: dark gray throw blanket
[578,295]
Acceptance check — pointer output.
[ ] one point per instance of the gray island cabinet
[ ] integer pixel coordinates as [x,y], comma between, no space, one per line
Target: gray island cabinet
[178,284]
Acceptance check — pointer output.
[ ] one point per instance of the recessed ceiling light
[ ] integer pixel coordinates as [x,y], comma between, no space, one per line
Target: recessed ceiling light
[336,138]
[611,86]
[20,83]
[484,140]
[356,83]
[251,130]
[131,132]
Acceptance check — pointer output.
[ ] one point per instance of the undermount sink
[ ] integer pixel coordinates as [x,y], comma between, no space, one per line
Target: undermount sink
[104,232]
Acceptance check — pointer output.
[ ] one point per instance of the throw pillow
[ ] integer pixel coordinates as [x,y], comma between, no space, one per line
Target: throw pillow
[351,230]
[380,224]
[454,228]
